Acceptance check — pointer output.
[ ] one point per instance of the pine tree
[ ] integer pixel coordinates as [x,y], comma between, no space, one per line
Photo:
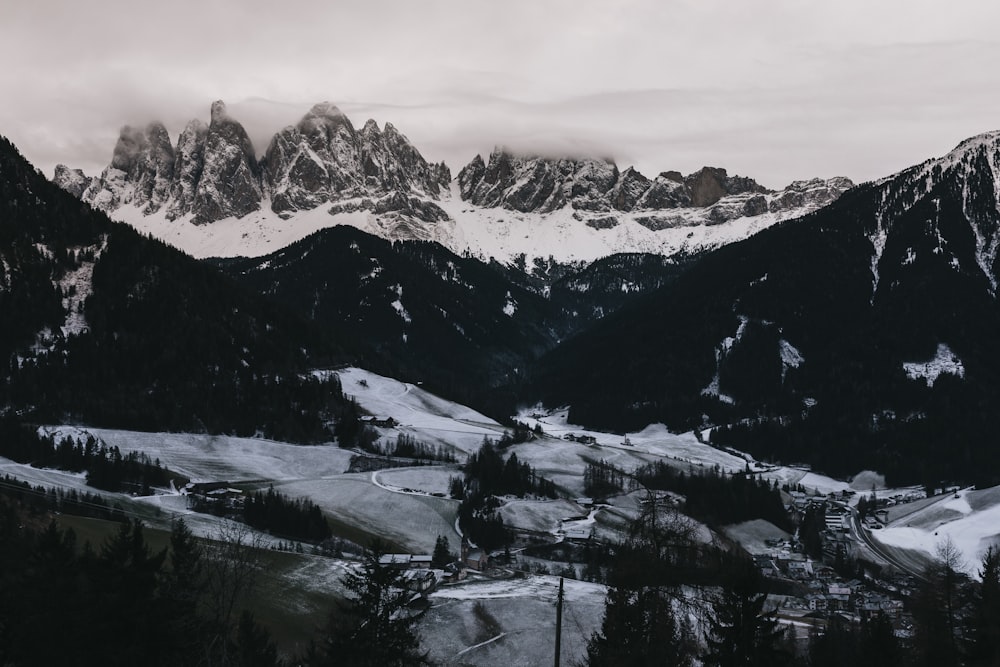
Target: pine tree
[254,647]
[983,646]
[180,590]
[442,552]
[935,610]
[373,627]
[740,631]
[640,629]
[878,644]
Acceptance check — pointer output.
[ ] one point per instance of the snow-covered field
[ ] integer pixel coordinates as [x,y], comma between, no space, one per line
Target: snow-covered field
[412,521]
[969,519]
[220,457]
[425,479]
[406,505]
[511,622]
[539,515]
[752,535]
[426,417]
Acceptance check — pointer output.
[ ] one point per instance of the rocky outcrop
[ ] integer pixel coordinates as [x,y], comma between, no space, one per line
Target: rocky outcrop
[535,184]
[73,181]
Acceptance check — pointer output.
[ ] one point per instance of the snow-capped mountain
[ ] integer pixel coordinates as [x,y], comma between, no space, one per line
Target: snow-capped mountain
[863,335]
[213,173]
[323,172]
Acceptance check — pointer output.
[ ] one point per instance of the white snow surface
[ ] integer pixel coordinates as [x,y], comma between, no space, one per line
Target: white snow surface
[482,232]
[212,458]
[969,519]
[522,612]
[428,418]
[944,361]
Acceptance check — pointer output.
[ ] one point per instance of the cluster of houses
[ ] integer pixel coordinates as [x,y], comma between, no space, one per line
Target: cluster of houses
[220,494]
[822,591]
[826,591]
[582,439]
[421,578]
[380,421]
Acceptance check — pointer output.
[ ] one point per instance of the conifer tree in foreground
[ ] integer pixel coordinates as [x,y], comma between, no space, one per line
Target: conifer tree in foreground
[640,629]
[740,631]
[983,641]
[373,627]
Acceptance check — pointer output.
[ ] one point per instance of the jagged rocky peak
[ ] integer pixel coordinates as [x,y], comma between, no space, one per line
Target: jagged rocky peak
[140,173]
[130,146]
[470,176]
[308,162]
[229,184]
[323,159]
[73,181]
[156,169]
[188,164]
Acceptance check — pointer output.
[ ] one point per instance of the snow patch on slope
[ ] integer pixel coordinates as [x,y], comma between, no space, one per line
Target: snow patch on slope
[485,233]
[790,357]
[397,305]
[509,306]
[945,361]
[721,352]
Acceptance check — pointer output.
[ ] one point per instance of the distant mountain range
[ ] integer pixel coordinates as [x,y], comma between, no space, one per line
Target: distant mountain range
[323,172]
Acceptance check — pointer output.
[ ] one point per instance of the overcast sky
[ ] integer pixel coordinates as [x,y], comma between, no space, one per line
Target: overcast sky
[773,89]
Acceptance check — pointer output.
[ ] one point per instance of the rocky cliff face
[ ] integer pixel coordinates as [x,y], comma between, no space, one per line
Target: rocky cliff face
[140,173]
[534,184]
[325,159]
[190,161]
[73,181]
[213,173]
[230,178]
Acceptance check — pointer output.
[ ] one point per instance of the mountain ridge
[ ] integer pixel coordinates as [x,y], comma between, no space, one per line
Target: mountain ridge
[323,171]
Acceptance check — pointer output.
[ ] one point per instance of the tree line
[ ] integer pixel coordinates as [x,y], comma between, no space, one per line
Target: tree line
[487,476]
[106,467]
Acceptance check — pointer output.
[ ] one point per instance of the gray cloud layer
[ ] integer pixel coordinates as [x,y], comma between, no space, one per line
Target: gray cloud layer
[775,89]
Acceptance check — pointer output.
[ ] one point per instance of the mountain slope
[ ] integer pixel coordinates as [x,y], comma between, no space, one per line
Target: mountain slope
[862,335]
[106,326]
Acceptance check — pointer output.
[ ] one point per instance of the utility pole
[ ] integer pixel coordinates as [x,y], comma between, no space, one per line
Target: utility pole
[559,604]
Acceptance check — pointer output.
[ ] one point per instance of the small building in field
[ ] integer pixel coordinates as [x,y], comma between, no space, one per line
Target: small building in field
[477,559]
[380,422]
[420,581]
[420,561]
[395,561]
